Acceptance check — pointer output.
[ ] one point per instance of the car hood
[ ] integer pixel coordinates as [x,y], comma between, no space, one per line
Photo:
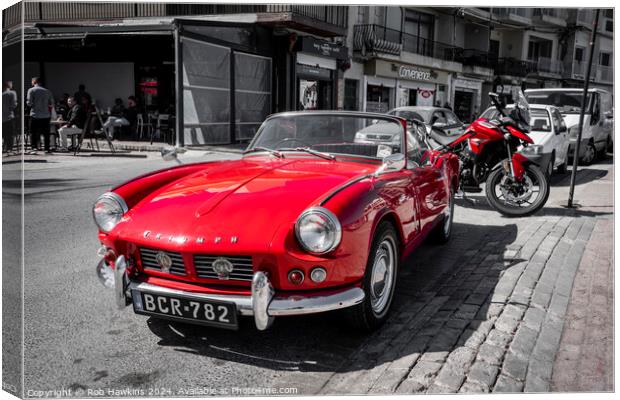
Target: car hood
[247,199]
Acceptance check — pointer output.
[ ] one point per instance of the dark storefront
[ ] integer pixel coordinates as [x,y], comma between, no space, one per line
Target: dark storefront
[224,72]
[317,73]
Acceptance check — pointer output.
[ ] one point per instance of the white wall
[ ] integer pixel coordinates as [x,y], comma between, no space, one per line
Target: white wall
[104,81]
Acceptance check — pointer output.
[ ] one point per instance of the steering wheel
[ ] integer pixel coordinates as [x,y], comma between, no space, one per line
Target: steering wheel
[285,140]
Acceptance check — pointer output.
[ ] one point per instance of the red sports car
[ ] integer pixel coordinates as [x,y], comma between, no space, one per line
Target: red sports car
[317,216]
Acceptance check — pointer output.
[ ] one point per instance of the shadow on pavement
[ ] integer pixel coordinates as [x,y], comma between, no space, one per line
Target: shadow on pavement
[480,203]
[323,342]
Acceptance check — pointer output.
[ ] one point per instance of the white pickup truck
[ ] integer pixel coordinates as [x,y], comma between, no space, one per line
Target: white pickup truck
[598,126]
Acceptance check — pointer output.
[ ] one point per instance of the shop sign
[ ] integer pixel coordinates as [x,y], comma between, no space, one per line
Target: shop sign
[309,72]
[468,84]
[414,73]
[323,48]
[405,72]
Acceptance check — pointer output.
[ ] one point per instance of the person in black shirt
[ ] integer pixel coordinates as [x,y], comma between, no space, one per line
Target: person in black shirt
[75,122]
[82,97]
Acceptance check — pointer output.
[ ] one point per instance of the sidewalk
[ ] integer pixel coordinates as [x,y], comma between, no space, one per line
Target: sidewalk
[157,146]
[122,148]
[496,310]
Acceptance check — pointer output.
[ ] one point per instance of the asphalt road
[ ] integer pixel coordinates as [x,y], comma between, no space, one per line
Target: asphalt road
[77,341]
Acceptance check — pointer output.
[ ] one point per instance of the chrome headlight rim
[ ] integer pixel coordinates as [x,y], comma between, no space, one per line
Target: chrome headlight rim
[120,202]
[331,217]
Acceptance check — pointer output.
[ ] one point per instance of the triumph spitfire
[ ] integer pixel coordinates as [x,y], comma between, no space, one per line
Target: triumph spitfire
[314,217]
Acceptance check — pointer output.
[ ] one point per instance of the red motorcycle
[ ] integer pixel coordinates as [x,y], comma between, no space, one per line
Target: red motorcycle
[490,152]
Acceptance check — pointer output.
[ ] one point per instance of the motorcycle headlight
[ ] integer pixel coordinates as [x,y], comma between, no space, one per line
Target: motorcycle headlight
[108,211]
[318,230]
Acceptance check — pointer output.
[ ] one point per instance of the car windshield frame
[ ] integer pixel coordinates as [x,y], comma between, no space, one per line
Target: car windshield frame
[295,147]
[578,94]
[425,114]
[534,112]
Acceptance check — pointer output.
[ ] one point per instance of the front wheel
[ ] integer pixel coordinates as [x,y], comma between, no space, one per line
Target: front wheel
[589,155]
[517,199]
[379,280]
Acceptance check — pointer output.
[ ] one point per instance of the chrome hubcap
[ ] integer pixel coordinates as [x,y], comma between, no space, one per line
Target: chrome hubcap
[382,275]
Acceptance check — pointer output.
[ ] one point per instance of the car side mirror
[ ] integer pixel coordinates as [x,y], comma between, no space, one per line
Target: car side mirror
[562,128]
[171,153]
[392,163]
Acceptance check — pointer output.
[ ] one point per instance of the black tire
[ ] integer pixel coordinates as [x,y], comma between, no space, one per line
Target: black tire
[563,168]
[550,165]
[442,232]
[535,174]
[363,316]
[589,154]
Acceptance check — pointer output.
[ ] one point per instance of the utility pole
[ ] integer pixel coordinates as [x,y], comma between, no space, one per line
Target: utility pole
[584,101]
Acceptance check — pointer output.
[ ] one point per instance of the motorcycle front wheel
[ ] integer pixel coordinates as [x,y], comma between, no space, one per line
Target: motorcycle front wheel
[517,199]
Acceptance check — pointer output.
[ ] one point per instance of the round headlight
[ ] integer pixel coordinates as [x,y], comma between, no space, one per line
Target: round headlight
[108,211]
[318,230]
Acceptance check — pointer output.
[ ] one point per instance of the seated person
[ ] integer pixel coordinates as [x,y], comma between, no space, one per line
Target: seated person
[118,109]
[75,123]
[121,116]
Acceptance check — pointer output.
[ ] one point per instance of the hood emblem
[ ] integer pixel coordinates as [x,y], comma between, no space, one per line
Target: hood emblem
[164,261]
[222,268]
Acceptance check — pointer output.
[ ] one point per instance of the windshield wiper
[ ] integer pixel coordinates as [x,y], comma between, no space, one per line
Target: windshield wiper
[260,148]
[326,156]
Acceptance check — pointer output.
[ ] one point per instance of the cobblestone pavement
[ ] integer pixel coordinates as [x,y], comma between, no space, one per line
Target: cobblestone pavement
[492,316]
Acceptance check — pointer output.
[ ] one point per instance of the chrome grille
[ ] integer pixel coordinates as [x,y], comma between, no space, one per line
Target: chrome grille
[242,267]
[149,261]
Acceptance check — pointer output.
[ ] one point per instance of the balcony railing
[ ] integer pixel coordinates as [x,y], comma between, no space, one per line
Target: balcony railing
[507,13]
[560,13]
[477,57]
[430,48]
[548,65]
[376,39]
[72,11]
[514,67]
[380,39]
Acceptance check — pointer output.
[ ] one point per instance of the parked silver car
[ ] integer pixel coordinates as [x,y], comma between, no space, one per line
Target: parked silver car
[436,117]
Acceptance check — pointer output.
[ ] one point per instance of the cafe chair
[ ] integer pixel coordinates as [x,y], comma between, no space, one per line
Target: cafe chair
[142,126]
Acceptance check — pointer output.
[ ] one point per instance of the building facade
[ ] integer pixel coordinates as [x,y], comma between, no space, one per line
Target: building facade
[219,70]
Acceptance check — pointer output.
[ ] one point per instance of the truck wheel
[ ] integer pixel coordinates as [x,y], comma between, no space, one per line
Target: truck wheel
[590,154]
[379,281]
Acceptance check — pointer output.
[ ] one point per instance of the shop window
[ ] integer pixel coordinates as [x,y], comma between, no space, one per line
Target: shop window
[604,59]
[378,98]
[609,25]
[579,54]
[609,13]
[350,94]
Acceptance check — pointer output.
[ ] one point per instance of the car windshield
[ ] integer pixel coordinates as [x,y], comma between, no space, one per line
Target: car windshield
[340,134]
[539,119]
[566,102]
[410,115]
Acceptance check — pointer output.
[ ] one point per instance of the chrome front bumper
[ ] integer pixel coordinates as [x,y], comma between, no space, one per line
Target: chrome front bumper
[263,303]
